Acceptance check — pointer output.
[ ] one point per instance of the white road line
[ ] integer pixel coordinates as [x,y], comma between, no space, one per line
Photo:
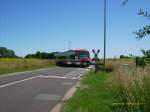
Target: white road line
[40,76]
[17,73]
[82,74]
[17,82]
[90,67]
[79,76]
[58,77]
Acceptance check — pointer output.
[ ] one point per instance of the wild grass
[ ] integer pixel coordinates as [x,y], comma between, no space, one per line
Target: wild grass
[9,65]
[124,89]
[130,87]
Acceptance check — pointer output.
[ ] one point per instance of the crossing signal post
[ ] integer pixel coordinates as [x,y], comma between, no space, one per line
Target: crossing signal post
[96,59]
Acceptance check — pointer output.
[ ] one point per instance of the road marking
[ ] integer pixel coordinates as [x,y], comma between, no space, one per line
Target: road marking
[79,76]
[42,76]
[58,77]
[39,76]
[17,82]
[90,67]
[17,73]
[82,74]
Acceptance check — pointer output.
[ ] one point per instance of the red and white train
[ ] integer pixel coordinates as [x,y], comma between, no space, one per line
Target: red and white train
[80,57]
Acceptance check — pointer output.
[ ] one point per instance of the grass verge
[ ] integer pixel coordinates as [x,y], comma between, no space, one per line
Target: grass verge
[11,65]
[124,89]
[92,96]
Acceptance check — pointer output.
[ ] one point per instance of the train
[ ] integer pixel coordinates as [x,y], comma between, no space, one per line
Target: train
[78,57]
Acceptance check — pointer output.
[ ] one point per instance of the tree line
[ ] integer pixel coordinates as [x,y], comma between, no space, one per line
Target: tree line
[7,53]
[41,55]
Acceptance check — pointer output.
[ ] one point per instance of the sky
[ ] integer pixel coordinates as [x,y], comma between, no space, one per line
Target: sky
[27,26]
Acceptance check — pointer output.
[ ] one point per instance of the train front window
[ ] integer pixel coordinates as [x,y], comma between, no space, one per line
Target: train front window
[84,54]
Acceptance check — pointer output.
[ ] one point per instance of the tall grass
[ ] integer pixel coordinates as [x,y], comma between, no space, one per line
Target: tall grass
[130,87]
[8,65]
[124,88]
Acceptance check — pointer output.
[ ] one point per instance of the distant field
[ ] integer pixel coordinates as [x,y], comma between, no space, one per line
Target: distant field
[8,65]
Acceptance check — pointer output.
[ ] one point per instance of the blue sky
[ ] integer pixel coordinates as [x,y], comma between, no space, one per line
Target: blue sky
[27,26]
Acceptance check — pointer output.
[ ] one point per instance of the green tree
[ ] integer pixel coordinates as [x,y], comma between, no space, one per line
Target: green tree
[7,53]
[29,56]
[41,55]
[38,55]
[146,54]
[145,31]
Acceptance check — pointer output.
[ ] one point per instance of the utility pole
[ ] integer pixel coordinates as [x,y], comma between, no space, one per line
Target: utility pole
[69,45]
[104,33]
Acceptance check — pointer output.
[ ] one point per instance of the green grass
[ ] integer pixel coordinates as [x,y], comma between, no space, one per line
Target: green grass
[124,89]
[11,65]
[92,96]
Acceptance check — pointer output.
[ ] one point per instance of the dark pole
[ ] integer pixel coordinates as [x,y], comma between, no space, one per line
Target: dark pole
[104,33]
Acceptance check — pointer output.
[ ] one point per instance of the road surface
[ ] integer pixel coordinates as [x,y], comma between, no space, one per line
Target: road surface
[36,91]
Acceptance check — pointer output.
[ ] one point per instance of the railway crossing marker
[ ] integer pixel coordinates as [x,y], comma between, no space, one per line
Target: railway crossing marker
[96,59]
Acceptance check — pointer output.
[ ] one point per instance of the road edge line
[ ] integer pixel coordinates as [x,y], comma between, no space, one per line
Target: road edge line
[30,71]
[57,77]
[9,84]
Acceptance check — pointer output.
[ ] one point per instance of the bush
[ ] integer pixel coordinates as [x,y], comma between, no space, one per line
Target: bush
[140,61]
[146,54]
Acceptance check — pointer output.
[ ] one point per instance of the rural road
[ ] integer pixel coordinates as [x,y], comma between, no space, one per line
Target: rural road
[37,91]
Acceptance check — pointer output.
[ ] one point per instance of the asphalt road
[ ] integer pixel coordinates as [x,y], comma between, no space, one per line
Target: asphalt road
[36,91]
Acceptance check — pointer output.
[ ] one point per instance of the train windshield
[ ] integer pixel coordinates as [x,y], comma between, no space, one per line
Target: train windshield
[84,54]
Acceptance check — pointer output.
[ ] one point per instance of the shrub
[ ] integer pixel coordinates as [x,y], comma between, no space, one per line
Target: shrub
[146,54]
[140,61]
